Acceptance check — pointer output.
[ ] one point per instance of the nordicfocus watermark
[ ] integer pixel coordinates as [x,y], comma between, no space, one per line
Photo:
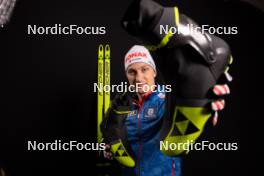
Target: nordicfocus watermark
[59,29]
[126,87]
[203,145]
[190,28]
[58,145]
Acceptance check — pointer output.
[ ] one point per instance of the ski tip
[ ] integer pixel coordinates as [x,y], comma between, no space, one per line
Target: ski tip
[101,52]
[107,51]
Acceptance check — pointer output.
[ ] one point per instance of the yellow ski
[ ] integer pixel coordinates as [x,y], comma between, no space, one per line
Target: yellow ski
[100,93]
[107,78]
[103,100]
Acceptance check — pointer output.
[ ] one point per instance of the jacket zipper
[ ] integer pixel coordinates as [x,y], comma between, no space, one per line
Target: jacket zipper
[173,168]
[140,104]
[140,144]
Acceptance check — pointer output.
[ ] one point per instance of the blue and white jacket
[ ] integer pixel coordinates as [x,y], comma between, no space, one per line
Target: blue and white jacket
[143,129]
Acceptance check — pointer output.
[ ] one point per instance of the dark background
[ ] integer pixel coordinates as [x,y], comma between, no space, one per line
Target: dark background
[47,85]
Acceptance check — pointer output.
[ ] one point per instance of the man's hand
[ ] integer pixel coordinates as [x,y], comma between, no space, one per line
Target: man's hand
[6,9]
[219,91]
[107,153]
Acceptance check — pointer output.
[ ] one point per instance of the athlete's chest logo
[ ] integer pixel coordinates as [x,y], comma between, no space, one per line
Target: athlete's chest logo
[150,112]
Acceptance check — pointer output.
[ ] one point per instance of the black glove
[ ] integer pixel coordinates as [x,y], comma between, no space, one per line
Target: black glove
[114,130]
[191,61]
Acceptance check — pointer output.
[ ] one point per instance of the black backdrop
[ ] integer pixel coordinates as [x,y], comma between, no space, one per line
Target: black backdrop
[47,85]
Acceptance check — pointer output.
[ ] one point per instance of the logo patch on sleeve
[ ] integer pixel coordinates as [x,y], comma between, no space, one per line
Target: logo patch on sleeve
[161,95]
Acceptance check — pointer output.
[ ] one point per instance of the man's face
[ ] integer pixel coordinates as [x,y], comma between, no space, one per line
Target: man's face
[141,75]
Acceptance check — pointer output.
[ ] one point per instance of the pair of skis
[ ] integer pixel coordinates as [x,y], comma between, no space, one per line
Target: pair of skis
[103,97]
